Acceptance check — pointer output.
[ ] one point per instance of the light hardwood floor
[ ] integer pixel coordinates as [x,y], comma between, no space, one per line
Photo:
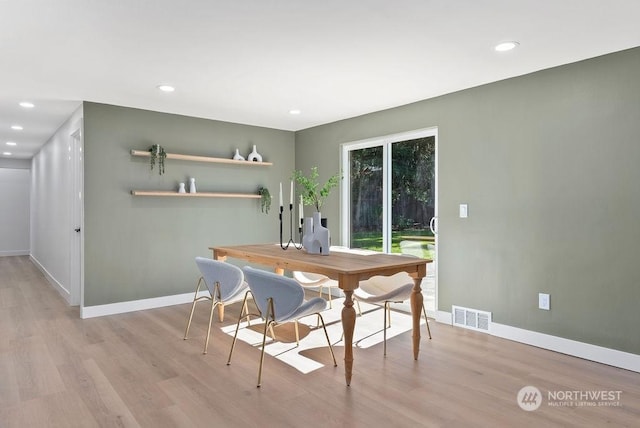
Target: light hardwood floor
[135,370]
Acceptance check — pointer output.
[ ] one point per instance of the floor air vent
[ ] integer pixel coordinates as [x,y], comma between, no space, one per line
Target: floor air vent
[471,318]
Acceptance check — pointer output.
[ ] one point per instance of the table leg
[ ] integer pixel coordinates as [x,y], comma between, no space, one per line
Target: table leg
[416,312]
[348,325]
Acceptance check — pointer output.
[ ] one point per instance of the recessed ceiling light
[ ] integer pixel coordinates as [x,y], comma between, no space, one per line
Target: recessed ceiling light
[294,111]
[6,153]
[166,88]
[11,143]
[17,127]
[27,104]
[506,46]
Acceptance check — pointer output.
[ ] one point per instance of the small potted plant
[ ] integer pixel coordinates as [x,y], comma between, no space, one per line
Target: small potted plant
[158,155]
[265,199]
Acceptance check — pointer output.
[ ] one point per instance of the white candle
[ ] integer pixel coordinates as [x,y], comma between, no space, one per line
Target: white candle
[301,211]
[280,194]
[291,195]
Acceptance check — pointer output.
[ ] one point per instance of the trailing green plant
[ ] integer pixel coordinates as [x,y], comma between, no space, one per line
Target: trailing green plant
[265,200]
[158,155]
[312,192]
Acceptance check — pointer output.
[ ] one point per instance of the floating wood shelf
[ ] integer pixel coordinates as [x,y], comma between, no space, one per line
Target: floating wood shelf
[194,195]
[193,158]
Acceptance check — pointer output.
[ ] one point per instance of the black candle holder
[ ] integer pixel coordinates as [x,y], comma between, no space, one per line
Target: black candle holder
[291,241]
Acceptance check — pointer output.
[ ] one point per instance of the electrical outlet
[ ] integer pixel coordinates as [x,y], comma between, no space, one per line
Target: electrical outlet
[544,301]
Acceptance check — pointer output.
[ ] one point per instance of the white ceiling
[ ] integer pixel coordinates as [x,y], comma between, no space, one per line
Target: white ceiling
[252,61]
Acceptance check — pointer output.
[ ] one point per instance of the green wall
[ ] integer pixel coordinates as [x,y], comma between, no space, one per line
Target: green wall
[143,247]
[548,163]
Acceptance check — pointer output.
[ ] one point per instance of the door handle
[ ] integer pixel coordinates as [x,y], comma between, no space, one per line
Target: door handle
[77,229]
[433,225]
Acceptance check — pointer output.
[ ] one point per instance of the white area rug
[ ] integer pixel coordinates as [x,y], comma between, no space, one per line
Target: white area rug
[368,332]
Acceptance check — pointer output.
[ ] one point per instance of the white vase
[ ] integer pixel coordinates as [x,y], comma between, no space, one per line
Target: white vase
[320,238]
[192,185]
[321,234]
[238,156]
[181,188]
[307,237]
[254,156]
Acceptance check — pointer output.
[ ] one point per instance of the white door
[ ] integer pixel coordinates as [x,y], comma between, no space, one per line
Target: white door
[76,206]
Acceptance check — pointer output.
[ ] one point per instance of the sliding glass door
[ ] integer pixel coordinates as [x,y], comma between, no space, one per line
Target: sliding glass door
[389,200]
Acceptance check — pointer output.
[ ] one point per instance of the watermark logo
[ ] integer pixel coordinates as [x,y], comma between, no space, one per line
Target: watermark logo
[597,398]
[529,398]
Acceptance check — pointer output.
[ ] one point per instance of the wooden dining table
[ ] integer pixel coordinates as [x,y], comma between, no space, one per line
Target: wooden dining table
[346,266]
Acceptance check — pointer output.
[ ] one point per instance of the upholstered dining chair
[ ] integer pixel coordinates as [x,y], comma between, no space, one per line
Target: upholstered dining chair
[316,280]
[385,290]
[225,284]
[279,299]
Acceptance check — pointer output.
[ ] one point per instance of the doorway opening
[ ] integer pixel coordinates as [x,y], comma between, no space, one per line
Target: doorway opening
[76,207]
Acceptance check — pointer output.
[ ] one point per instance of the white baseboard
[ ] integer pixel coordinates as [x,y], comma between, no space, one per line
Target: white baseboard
[444,317]
[612,357]
[137,305]
[59,287]
[599,354]
[14,253]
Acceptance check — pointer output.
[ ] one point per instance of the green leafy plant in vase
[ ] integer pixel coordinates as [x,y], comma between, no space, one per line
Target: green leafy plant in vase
[312,192]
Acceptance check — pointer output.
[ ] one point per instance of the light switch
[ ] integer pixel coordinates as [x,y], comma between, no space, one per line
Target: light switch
[544,301]
[464,211]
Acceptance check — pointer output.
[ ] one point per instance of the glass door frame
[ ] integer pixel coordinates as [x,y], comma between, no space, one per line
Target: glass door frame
[387,147]
[345,197]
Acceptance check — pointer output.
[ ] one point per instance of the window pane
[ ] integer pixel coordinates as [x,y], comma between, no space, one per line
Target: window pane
[413,196]
[366,198]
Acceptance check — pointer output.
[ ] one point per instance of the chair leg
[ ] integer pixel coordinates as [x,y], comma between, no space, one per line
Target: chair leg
[264,342]
[221,312]
[426,320]
[295,323]
[245,307]
[193,307]
[240,317]
[206,343]
[186,332]
[335,364]
[273,333]
[218,298]
[384,315]
[270,314]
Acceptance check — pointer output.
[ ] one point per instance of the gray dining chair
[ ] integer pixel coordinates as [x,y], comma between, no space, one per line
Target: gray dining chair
[279,299]
[384,290]
[309,280]
[225,284]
